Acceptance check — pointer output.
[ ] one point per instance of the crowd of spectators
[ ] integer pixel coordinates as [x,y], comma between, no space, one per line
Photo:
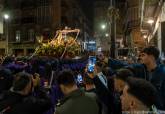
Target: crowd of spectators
[32,86]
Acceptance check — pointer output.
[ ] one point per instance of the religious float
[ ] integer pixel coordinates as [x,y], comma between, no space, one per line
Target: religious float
[63,45]
[64,48]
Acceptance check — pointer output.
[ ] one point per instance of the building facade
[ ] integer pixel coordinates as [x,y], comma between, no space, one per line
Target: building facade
[132,20]
[141,22]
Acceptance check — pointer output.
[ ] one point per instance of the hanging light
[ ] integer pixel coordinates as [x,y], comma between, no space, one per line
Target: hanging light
[144,36]
[150,21]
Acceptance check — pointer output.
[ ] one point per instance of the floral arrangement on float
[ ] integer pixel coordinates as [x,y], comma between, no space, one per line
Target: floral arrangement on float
[63,45]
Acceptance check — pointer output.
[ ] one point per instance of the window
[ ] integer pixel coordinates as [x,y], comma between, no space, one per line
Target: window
[18,36]
[44,15]
[44,2]
[31,35]
[44,12]
[28,20]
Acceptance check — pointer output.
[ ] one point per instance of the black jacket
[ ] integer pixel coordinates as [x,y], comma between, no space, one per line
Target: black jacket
[108,97]
[14,103]
[78,102]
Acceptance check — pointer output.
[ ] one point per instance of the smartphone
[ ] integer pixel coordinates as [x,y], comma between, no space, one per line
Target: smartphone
[79,78]
[91,68]
[91,63]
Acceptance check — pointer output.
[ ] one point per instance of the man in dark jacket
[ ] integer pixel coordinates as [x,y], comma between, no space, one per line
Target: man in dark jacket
[76,101]
[6,79]
[19,101]
[108,96]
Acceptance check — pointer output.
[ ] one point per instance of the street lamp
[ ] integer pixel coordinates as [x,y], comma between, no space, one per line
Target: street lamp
[103,26]
[6,18]
[106,34]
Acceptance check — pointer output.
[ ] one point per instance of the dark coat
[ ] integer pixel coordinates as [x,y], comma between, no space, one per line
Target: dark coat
[6,79]
[108,97]
[14,103]
[78,102]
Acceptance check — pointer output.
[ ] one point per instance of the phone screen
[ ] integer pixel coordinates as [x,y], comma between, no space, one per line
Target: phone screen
[92,60]
[91,68]
[79,78]
[91,63]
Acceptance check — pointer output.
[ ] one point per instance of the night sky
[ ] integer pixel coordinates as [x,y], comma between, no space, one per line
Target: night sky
[87,6]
